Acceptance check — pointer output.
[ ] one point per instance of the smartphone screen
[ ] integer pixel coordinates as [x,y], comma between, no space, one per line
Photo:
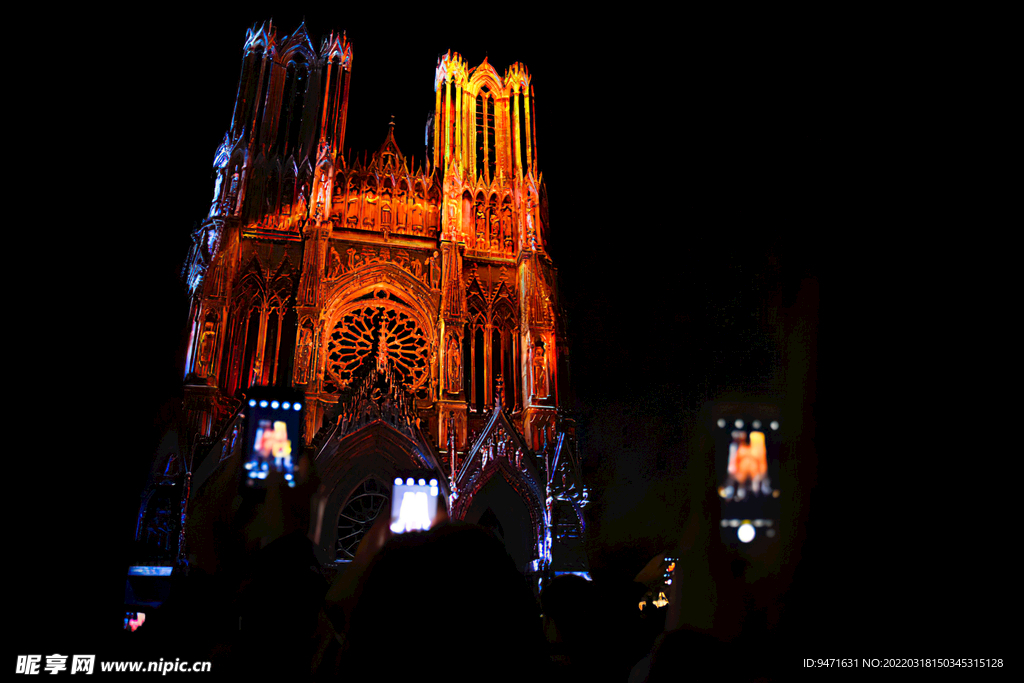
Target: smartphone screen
[413,504]
[747,446]
[274,440]
[133,620]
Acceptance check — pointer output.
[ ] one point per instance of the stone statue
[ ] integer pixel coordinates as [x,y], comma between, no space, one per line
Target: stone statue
[453,364]
[435,272]
[334,264]
[304,355]
[207,342]
[540,371]
[481,227]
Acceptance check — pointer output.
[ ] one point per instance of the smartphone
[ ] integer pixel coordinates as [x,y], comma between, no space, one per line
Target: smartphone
[274,420]
[413,503]
[748,441]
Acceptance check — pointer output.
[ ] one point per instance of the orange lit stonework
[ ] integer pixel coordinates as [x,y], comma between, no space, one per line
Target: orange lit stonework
[421,287]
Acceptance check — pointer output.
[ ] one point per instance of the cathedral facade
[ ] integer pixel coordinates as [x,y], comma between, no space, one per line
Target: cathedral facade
[415,305]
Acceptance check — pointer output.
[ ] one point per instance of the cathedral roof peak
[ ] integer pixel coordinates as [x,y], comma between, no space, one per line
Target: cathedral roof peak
[299,38]
[390,146]
[335,45]
[263,36]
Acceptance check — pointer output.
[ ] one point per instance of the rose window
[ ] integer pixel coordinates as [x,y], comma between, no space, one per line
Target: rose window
[355,338]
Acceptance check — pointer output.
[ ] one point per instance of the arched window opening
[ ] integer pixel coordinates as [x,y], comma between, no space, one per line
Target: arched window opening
[479,369]
[273,190]
[492,156]
[287,107]
[270,349]
[329,80]
[259,111]
[467,361]
[481,133]
[252,82]
[286,356]
[252,335]
[288,191]
[358,514]
[433,215]
[297,98]
[519,374]
[468,216]
[507,371]
[495,368]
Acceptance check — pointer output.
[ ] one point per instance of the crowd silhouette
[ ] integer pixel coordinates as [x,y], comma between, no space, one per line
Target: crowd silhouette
[448,601]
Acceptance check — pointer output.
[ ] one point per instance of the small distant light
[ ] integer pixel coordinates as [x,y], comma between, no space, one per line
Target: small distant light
[422,482]
[725,523]
[729,491]
[397,527]
[262,475]
[668,582]
[741,493]
[734,523]
[433,482]
[739,424]
[274,405]
[248,465]
[774,425]
[263,404]
[746,532]
[758,523]
[775,493]
[721,491]
[398,481]
[288,477]
[768,522]
[286,405]
[409,482]
[252,403]
[756,424]
[296,406]
[721,423]
[771,533]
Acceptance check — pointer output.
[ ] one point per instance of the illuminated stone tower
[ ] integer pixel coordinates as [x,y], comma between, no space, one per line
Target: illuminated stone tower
[416,306]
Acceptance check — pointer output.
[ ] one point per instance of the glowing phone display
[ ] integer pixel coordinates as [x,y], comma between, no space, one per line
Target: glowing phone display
[413,504]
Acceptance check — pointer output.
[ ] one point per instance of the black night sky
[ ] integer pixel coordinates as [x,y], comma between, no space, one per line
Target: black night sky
[694,171]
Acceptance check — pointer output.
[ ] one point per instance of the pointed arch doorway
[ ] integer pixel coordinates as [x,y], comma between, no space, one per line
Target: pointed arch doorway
[497,507]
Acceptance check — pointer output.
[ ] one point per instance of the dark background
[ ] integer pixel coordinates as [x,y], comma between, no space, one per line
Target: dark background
[699,175]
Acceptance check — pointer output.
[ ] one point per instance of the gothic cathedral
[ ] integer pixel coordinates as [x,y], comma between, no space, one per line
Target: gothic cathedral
[413,303]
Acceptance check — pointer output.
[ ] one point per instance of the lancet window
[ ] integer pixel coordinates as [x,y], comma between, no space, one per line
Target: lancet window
[296,83]
[490,349]
[288,190]
[486,151]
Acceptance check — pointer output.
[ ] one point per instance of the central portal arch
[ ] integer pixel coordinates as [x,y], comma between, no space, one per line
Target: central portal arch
[499,508]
